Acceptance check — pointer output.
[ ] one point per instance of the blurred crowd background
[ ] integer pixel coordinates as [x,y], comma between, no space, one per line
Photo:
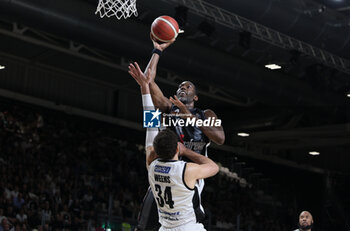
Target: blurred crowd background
[61,172]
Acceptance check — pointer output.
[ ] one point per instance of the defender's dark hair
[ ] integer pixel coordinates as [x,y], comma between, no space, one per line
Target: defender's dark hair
[165,144]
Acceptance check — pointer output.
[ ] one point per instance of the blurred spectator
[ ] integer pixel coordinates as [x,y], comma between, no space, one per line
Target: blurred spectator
[5,225]
[2,214]
[18,201]
[21,217]
[46,214]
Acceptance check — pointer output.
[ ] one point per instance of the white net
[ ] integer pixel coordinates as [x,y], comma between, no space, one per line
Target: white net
[117,8]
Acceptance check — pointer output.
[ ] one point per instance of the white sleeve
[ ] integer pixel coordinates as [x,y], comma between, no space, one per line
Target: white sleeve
[151,133]
[147,102]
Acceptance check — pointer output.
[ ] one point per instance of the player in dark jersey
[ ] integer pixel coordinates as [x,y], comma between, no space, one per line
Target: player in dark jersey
[173,182]
[194,138]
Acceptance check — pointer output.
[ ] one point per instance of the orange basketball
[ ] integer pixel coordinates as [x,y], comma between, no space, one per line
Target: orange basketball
[164,29]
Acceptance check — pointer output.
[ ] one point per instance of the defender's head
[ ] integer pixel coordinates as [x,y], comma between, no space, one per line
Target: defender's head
[305,220]
[165,144]
[186,92]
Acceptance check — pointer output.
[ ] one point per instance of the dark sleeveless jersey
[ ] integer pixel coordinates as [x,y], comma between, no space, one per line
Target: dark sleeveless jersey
[191,136]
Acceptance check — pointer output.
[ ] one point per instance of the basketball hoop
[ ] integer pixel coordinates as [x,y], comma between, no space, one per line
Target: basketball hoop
[117,8]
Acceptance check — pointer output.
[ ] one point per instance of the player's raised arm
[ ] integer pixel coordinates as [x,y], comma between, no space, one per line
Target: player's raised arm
[151,133]
[203,167]
[160,101]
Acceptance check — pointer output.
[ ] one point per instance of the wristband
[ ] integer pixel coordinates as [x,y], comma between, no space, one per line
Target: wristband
[157,51]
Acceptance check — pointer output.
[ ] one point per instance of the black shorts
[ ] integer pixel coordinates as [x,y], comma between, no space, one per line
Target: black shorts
[148,216]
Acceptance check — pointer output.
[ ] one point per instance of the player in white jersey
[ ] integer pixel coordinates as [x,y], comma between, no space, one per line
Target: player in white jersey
[172,181]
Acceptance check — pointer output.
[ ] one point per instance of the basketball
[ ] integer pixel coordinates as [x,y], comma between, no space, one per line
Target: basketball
[164,29]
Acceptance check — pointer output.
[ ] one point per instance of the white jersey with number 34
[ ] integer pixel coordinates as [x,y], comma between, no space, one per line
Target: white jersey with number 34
[173,196]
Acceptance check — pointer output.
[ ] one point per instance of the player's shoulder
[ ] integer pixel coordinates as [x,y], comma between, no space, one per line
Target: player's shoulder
[191,167]
[153,162]
[209,112]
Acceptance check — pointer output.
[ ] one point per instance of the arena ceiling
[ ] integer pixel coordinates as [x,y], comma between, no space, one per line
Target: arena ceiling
[288,112]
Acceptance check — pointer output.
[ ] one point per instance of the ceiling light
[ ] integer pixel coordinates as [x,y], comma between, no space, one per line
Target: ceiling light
[273,66]
[348,95]
[2,67]
[314,153]
[242,134]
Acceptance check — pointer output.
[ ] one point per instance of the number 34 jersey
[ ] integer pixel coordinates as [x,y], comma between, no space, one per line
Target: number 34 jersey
[173,196]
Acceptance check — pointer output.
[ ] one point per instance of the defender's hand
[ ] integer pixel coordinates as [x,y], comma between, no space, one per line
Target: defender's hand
[138,75]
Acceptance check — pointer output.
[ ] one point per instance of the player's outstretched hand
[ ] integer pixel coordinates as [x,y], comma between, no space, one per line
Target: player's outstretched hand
[138,75]
[162,46]
[185,113]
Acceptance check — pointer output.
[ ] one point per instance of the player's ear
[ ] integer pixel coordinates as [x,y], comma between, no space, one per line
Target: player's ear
[195,98]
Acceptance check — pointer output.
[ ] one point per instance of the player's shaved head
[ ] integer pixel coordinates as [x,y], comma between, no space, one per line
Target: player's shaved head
[190,83]
[305,213]
[187,92]
[305,220]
